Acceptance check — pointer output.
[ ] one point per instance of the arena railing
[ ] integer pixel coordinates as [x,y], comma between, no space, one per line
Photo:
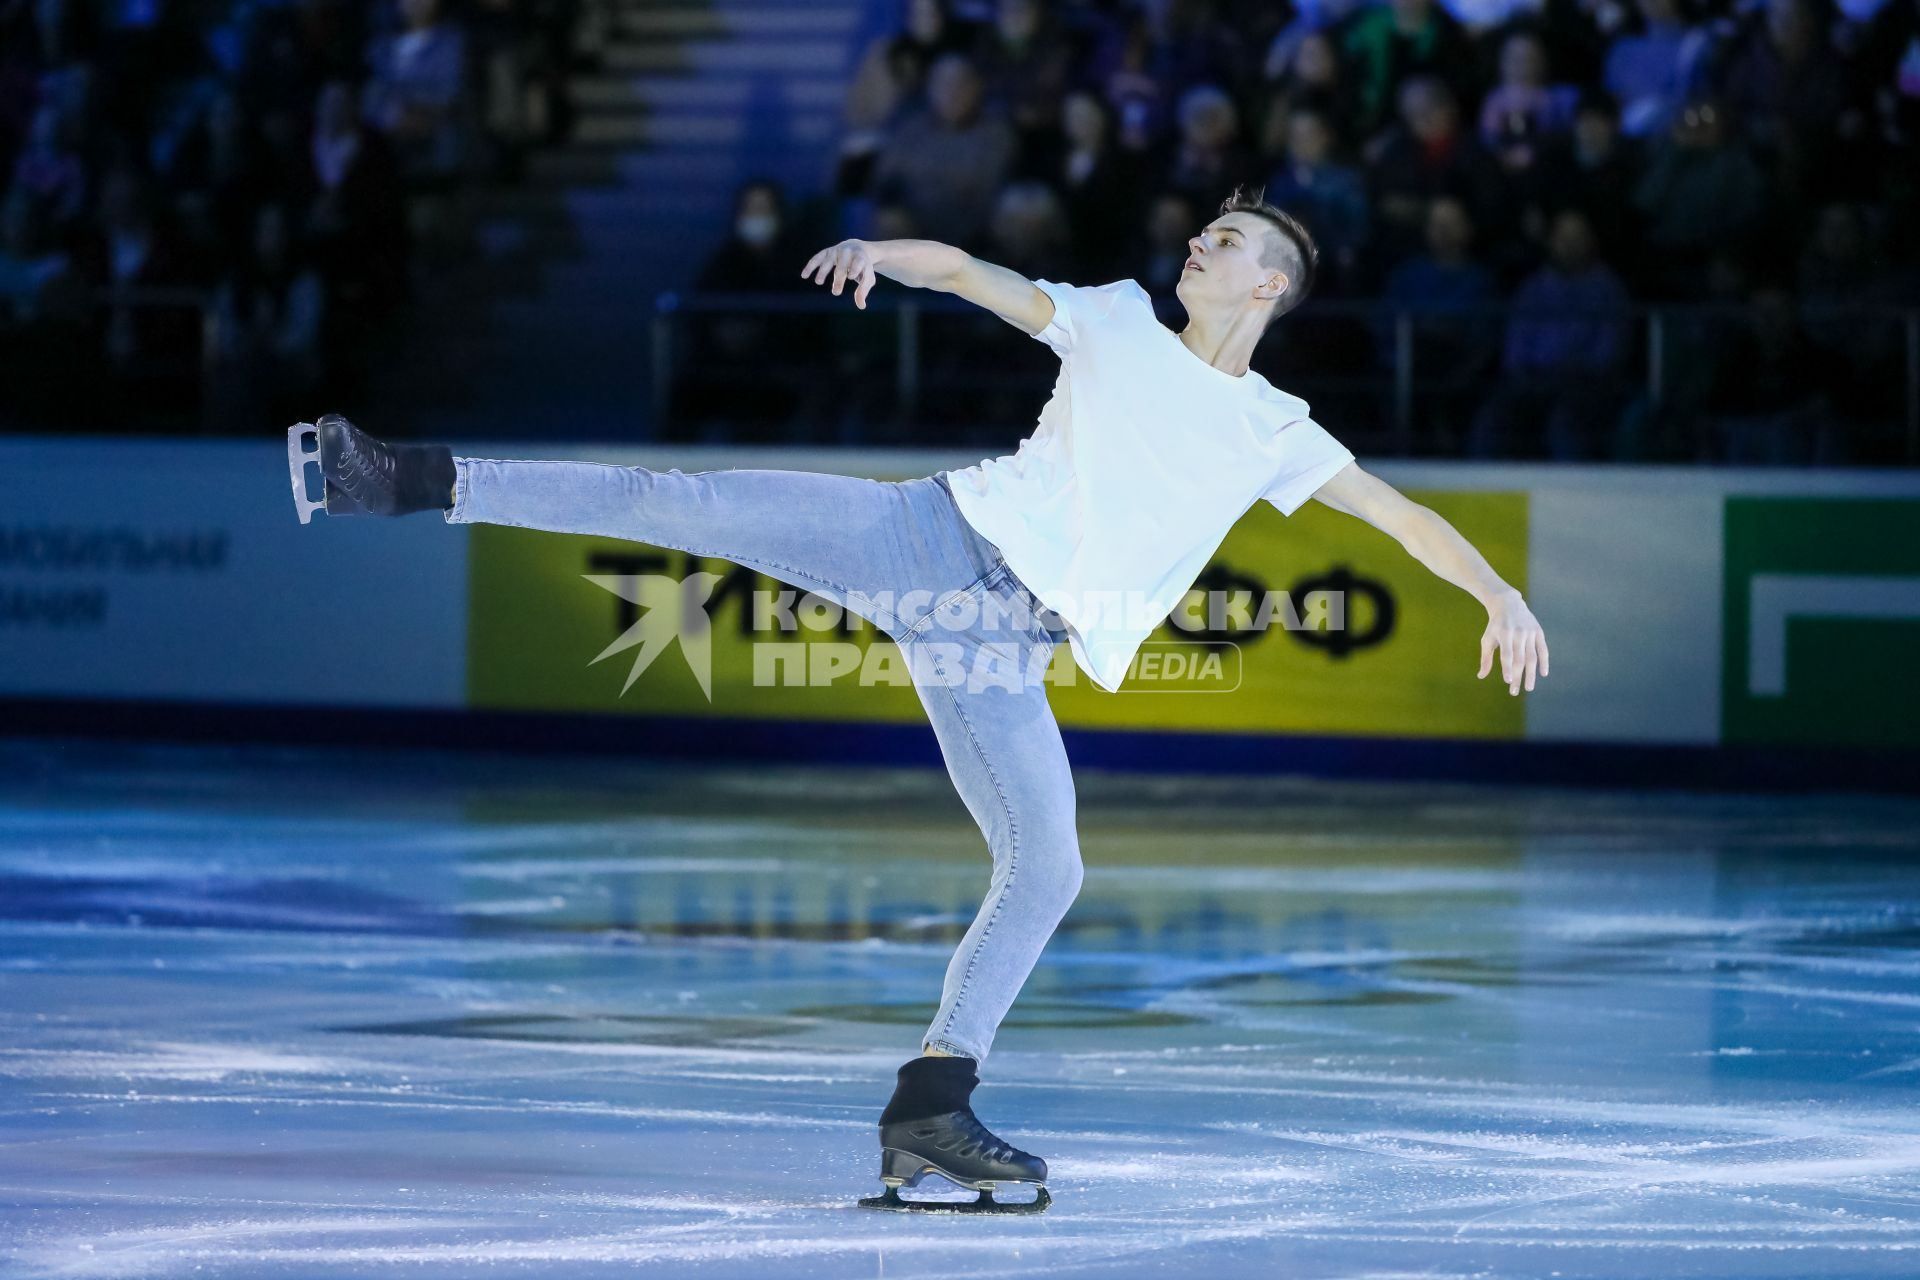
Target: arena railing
[1386,372]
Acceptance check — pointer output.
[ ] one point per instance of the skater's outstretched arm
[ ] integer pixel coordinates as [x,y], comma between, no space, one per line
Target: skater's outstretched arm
[928,264]
[1511,626]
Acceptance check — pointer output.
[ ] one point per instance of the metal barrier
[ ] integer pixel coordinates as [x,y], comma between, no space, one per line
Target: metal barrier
[1657,369]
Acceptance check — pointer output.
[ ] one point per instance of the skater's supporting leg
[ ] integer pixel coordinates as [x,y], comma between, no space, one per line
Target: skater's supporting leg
[980,683]
[869,545]
[1004,752]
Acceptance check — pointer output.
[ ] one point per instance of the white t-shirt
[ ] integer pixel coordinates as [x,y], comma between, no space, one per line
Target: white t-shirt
[1143,459]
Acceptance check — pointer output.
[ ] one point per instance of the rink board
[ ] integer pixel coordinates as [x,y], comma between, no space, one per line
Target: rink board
[1686,608]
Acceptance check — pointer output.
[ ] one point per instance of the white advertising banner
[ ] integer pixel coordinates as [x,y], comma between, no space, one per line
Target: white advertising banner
[1685,606]
[166,569]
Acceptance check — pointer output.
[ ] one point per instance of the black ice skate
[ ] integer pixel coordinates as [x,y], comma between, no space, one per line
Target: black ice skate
[360,476]
[916,1140]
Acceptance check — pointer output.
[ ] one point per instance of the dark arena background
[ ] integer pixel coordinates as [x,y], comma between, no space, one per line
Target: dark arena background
[388,899]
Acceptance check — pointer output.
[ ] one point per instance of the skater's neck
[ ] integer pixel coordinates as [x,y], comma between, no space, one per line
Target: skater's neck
[1225,341]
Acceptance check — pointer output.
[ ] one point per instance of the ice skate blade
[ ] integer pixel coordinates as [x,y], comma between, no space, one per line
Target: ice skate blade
[299,458]
[892,1199]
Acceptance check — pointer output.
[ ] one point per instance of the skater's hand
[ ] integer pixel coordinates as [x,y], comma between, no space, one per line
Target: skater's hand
[1512,628]
[848,260]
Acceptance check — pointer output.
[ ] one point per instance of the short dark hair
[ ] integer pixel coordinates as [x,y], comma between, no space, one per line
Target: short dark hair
[1291,248]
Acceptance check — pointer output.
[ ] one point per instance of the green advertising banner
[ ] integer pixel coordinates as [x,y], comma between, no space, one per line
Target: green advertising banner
[1822,599]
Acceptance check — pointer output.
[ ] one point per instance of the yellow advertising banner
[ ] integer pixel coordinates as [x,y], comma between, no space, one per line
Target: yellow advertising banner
[1311,624]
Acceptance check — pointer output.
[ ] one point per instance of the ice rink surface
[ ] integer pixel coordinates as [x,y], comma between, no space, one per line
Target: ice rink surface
[276,1014]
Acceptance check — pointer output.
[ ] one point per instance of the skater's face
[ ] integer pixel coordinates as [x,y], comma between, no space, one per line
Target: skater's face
[1224,267]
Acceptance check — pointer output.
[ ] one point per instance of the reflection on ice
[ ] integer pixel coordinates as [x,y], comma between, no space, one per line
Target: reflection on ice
[592,1019]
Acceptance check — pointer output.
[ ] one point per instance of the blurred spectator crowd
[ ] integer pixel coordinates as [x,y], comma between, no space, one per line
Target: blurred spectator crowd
[1520,177]
[225,196]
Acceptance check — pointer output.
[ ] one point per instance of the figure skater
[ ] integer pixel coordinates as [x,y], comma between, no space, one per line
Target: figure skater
[1153,444]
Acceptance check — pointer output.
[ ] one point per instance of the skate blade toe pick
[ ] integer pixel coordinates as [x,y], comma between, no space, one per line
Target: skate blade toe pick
[303,452]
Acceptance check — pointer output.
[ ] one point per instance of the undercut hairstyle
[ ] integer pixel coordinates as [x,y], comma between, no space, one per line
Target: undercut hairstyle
[1290,248]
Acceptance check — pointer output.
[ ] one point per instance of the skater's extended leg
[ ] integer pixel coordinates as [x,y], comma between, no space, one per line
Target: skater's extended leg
[883,549]
[866,544]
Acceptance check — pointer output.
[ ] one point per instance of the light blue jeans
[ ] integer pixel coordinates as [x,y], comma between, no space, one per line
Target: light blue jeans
[901,555]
